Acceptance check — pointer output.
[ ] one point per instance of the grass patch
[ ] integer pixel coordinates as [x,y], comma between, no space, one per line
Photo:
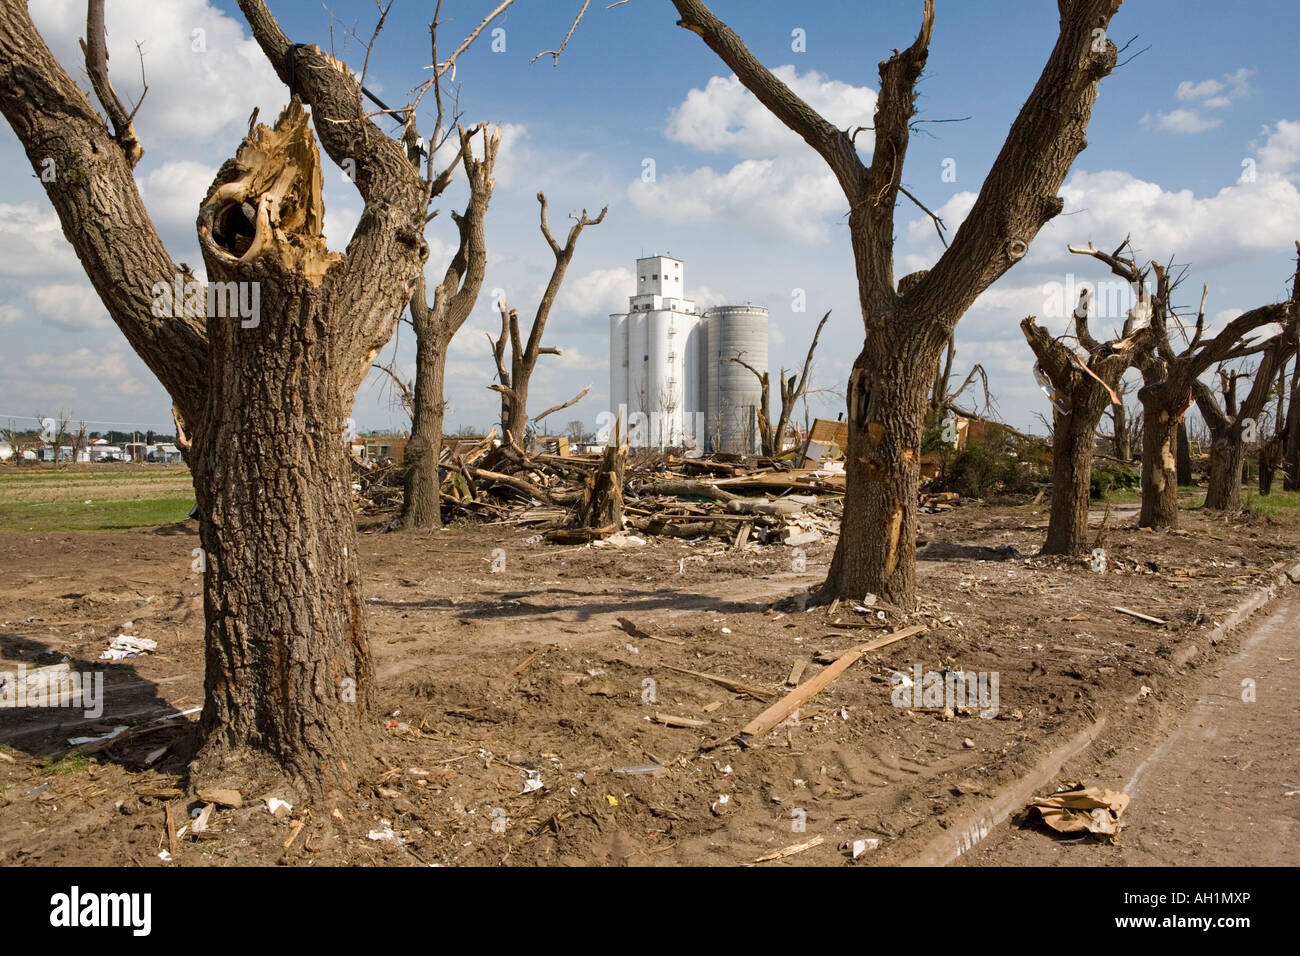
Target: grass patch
[99,515]
[93,497]
[1277,503]
[73,763]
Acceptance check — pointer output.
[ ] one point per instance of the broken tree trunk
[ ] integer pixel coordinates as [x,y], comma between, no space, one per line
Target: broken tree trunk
[601,507]
[908,321]
[263,365]
[1086,391]
[435,325]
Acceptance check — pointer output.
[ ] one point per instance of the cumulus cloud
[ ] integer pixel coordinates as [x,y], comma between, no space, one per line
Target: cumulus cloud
[1258,214]
[514,155]
[597,293]
[779,187]
[32,244]
[726,117]
[173,191]
[1183,121]
[1201,96]
[205,73]
[69,306]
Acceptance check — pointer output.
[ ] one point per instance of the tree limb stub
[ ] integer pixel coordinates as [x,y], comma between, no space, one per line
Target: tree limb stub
[95,50]
[275,176]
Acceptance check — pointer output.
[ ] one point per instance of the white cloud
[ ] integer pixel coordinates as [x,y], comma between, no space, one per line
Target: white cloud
[173,191]
[1280,153]
[599,292]
[68,306]
[9,315]
[726,117]
[1232,85]
[194,94]
[779,187]
[32,243]
[1212,94]
[1182,121]
[514,154]
[783,198]
[1239,221]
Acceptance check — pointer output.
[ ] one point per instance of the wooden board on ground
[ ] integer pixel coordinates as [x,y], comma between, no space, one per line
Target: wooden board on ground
[762,724]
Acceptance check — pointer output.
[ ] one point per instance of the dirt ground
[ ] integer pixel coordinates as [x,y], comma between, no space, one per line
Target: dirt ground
[500,660]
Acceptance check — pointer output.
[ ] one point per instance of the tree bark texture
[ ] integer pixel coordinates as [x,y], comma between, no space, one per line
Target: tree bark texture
[264,396]
[908,323]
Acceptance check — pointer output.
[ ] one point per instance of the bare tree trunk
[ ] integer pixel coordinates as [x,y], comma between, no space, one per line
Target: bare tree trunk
[513,378]
[601,506]
[422,498]
[1226,455]
[1183,456]
[1159,466]
[263,394]
[1072,440]
[288,672]
[876,553]
[1120,433]
[1086,391]
[908,321]
[1269,452]
[1291,453]
[436,325]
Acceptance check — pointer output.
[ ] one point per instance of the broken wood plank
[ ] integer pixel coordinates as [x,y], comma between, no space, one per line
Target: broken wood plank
[695,489]
[669,720]
[526,662]
[172,845]
[711,707]
[160,792]
[790,850]
[796,672]
[633,631]
[735,686]
[1140,616]
[762,724]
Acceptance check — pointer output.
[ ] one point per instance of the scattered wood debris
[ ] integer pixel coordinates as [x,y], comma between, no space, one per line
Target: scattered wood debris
[761,725]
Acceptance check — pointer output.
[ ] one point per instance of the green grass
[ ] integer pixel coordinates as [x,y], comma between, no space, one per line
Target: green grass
[73,763]
[99,515]
[93,497]
[1277,503]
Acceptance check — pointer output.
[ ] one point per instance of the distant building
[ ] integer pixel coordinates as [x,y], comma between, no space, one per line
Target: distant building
[379,447]
[672,368]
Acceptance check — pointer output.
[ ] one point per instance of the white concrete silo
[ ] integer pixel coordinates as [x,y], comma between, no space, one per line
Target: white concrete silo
[617,362]
[735,394]
[638,356]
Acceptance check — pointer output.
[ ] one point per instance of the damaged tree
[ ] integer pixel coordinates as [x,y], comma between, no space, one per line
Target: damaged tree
[435,324]
[513,381]
[1084,389]
[262,365]
[909,323]
[600,509]
[1168,376]
[1234,423]
[792,389]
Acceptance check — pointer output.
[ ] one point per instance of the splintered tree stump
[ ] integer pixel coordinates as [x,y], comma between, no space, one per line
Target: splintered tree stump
[600,509]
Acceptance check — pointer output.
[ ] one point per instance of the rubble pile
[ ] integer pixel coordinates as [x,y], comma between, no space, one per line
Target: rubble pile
[741,500]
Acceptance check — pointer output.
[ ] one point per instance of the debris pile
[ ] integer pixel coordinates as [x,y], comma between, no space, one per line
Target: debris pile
[578,498]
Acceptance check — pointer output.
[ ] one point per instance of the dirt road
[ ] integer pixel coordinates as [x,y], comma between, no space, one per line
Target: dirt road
[1221,788]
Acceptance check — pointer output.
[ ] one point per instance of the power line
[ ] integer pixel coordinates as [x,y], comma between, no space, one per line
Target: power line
[135,425]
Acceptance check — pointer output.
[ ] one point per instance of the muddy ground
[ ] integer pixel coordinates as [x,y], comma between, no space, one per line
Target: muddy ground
[493,664]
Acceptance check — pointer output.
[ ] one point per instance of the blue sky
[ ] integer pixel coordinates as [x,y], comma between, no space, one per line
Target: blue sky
[747,205]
